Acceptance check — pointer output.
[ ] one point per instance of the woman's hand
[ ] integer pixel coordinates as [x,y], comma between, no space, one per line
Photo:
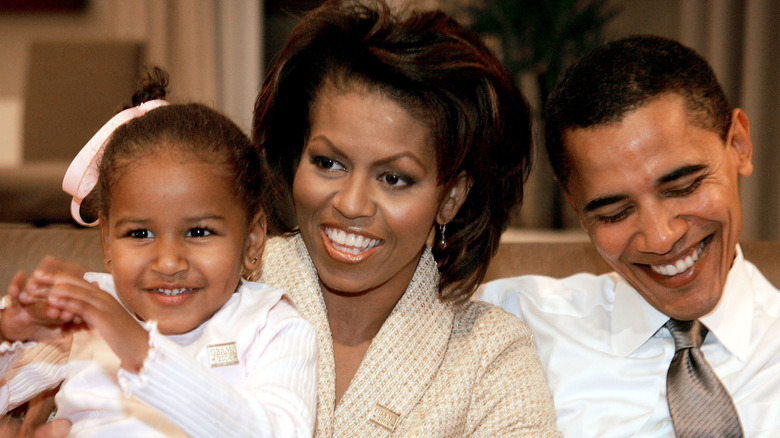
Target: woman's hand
[101,312]
[53,429]
[35,423]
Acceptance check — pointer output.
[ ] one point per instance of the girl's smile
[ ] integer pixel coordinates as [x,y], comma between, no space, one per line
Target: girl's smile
[176,236]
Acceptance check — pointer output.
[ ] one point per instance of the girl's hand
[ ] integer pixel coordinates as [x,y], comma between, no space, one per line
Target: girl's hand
[33,292]
[31,320]
[37,286]
[101,312]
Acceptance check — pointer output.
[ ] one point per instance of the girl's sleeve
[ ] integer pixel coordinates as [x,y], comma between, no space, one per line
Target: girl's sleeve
[29,369]
[279,399]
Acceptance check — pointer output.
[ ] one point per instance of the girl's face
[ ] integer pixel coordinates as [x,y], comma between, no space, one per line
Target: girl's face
[365,192]
[176,238]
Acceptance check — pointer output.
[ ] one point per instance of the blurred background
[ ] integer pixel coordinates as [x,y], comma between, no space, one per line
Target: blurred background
[68,65]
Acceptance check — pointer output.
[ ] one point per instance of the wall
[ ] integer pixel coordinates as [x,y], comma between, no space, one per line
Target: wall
[17,32]
[211,49]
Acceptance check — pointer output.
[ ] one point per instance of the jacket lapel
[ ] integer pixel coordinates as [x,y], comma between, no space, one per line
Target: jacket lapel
[287,265]
[401,362]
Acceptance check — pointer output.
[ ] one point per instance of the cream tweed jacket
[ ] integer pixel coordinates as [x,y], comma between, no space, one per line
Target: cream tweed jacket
[434,369]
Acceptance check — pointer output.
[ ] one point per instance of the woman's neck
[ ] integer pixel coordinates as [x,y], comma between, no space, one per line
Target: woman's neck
[358,318]
[355,319]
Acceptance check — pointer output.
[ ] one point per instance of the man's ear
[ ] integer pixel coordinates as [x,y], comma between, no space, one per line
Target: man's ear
[255,242]
[739,138]
[105,242]
[453,199]
[573,205]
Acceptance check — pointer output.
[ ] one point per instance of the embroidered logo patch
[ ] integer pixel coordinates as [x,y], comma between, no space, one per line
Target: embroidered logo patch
[221,355]
[384,417]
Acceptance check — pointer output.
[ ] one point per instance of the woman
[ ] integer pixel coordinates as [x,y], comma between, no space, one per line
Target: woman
[382,129]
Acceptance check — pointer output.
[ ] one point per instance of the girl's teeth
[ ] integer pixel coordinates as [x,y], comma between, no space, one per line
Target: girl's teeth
[171,292]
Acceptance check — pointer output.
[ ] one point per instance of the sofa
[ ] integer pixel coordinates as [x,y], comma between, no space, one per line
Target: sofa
[555,254]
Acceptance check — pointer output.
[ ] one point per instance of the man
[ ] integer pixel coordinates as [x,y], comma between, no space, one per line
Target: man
[649,154]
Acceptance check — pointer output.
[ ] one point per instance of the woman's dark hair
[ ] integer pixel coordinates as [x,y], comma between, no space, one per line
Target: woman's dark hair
[192,128]
[616,78]
[435,69]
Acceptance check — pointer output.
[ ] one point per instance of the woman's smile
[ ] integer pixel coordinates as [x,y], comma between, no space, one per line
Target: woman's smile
[350,246]
[366,191]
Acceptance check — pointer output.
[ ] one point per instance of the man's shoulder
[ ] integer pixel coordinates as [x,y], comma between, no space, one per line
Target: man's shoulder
[575,295]
[483,319]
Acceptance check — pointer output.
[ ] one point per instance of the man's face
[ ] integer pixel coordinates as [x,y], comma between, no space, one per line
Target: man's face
[659,198]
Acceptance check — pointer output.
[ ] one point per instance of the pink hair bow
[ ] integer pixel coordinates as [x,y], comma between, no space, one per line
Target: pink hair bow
[82,174]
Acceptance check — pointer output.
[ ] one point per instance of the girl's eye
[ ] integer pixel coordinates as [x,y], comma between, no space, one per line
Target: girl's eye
[140,234]
[199,232]
[326,163]
[395,180]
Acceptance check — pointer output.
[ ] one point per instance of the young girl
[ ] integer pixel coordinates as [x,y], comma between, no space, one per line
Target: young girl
[180,344]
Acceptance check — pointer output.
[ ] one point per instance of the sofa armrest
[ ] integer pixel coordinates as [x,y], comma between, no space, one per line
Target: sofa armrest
[23,247]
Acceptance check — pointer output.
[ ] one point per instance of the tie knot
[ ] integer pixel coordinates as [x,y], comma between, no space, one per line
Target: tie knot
[686,334]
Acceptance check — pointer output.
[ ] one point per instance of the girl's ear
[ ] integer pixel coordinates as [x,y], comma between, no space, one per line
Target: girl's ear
[105,242]
[453,199]
[255,242]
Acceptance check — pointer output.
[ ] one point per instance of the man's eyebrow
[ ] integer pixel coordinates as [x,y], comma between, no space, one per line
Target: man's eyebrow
[680,173]
[669,177]
[601,202]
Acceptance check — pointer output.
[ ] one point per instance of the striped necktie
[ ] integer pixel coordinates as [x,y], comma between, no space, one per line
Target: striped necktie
[700,405]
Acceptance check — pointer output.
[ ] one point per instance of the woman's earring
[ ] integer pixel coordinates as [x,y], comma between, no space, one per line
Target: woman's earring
[254,259]
[443,241]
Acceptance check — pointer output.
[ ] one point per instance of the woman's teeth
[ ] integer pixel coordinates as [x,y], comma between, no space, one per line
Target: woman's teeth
[350,242]
[680,266]
[171,292]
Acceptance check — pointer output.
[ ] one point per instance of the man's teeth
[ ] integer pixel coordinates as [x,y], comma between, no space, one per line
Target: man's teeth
[350,242]
[171,292]
[680,266]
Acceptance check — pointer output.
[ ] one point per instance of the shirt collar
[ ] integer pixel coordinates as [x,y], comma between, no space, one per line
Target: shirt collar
[634,320]
[732,318]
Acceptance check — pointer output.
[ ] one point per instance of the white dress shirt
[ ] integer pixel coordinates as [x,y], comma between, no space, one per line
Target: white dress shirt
[259,381]
[606,354]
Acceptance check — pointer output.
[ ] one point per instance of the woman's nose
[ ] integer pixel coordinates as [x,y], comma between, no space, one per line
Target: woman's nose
[355,198]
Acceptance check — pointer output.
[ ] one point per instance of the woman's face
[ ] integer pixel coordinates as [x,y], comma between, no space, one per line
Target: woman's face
[365,192]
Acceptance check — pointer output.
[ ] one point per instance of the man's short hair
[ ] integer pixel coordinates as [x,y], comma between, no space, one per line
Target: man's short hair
[616,78]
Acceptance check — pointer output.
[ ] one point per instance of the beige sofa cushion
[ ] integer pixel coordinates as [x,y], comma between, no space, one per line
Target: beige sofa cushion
[23,247]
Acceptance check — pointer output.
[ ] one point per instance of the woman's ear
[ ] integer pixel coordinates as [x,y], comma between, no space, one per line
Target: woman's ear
[453,199]
[255,242]
[105,242]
